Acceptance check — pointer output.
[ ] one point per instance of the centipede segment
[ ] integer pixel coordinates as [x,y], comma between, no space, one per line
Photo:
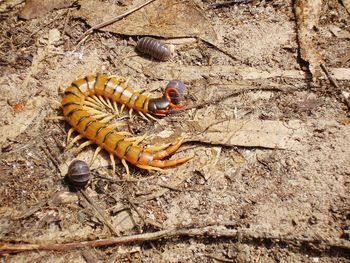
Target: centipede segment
[83,98]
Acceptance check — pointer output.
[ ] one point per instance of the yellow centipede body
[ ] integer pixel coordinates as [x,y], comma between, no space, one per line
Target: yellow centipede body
[106,137]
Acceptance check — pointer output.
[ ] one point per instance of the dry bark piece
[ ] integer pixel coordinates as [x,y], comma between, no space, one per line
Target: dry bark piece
[339,33]
[251,133]
[307,15]
[38,8]
[167,18]
[346,4]
[166,71]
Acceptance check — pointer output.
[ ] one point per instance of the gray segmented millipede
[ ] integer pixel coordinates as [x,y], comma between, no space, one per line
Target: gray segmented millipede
[153,48]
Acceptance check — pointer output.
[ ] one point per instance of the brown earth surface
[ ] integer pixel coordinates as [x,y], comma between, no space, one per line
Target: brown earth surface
[271,147]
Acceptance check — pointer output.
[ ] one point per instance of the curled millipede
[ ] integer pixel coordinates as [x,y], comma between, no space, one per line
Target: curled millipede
[153,48]
[75,104]
[175,96]
[79,173]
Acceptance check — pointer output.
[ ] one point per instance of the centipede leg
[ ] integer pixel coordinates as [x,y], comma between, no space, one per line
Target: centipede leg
[91,104]
[104,102]
[69,134]
[82,146]
[122,108]
[93,101]
[111,156]
[143,116]
[150,116]
[148,167]
[109,104]
[171,149]
[137,140]
[93,111]
[100,116]
[98,149]
[74,140]
[56,118]
[107,119]
[152,149]
[126,167]
[117,124]
[97,100]
[130,113]
[115,107]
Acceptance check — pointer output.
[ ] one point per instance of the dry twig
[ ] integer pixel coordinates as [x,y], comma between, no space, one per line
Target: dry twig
[111,21]
[102,217]
[335,84]
[229,95]
[243,235]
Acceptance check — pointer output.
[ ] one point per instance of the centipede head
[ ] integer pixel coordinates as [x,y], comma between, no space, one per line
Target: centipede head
[172,97]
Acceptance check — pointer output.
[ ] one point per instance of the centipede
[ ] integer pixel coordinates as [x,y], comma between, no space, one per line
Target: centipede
[79,100]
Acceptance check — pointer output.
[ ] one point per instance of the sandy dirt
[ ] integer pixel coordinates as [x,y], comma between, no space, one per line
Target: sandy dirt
[271,147]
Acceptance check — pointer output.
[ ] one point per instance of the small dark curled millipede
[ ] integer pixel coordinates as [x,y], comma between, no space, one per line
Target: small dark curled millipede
[78,173]
[79,100]
[153,48]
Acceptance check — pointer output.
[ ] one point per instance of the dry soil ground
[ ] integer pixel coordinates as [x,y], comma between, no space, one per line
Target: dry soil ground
[281,179]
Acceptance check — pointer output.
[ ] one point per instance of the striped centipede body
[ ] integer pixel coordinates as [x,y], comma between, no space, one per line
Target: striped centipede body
[153,48]
[106,137]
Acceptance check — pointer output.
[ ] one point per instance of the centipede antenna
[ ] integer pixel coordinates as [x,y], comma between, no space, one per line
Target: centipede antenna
[82,146]
[111,156]
[126,167]
[74,140]
[115,107]
[143,116]
[69,134]
[98,149]
[56,118]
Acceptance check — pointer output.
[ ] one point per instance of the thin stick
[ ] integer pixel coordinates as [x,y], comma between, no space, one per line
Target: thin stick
[103,218]
[216,5]
[243,235]
[111,21]
[226,96]
[221,49]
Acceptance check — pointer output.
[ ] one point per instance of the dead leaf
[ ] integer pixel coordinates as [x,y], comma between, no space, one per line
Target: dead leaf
[167,18]
[38,8]
[307,15]
[250,133]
